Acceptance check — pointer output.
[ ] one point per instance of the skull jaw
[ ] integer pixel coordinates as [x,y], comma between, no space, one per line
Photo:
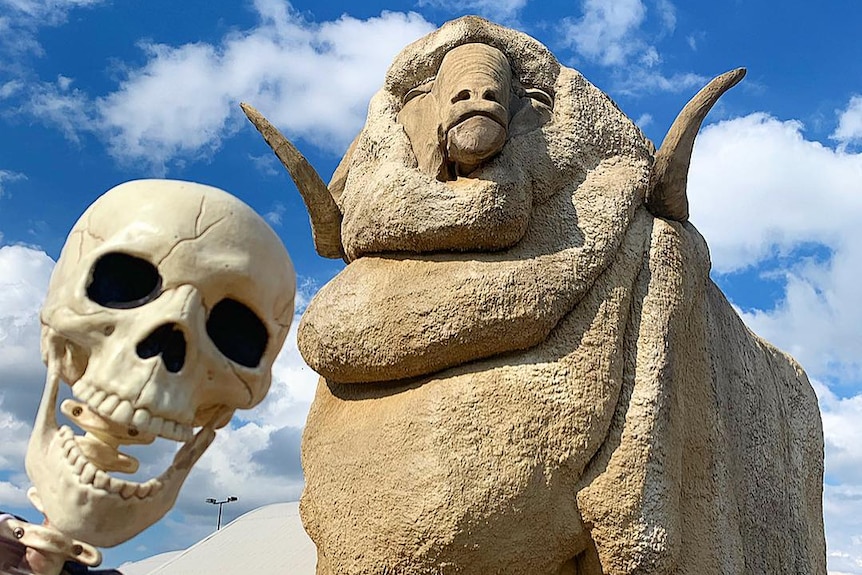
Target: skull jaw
[65,481]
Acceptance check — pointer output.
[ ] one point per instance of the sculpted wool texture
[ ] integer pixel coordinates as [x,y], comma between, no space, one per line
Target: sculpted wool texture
[525,366]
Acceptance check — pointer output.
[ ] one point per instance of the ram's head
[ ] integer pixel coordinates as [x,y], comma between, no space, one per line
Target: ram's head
[464,116]
[440,169]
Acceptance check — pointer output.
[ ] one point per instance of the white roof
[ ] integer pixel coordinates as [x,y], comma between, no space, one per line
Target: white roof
[267,541]
[145,566]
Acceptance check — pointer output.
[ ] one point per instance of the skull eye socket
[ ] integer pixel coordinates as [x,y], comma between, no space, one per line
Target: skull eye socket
[237,332]
[122,281]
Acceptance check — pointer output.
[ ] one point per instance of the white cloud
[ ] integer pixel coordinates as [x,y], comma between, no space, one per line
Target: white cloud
[644,120]
[24,274]
[641,79]
[607,33]
[842,494]
[22,18]
[8,176]
[692,41]
[13,495]
[14,432]
[273,217]
[312,80]
[762,194]
[267,164]
[57,105]
[757,187]
[849,130]
[49,11]
[615,35]
[842,428]
[667,12]
[841,504]
[497,10]
[292,388]
[11,87]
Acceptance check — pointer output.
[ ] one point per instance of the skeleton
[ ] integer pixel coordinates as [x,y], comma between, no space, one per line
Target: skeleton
[165,312]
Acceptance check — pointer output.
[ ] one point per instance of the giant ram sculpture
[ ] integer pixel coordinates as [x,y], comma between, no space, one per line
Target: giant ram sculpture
[525,367]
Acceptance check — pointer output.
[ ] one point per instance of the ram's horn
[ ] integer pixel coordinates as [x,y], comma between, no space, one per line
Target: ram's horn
[322,210]
[667,197]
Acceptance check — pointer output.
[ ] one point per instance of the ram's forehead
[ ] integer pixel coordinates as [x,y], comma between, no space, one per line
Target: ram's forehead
[532,63]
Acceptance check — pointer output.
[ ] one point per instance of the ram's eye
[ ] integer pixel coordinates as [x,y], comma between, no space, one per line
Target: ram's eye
[540,96]
[417,91]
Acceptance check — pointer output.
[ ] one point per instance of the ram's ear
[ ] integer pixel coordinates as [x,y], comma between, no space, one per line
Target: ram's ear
[420,119]
[322,210]
[339,177]
[667,195]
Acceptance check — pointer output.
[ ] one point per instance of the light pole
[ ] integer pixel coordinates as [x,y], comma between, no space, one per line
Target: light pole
[220,503]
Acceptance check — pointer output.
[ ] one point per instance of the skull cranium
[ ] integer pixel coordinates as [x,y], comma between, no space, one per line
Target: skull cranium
[165,312]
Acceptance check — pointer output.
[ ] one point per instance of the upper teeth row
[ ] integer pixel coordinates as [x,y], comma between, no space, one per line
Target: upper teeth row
[121,411]
[89,474]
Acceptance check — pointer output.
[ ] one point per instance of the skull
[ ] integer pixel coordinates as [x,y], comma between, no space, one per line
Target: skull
[165,312]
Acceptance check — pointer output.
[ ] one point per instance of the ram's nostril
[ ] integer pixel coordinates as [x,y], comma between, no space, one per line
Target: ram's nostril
[490,95]
[461,96]
[167,341]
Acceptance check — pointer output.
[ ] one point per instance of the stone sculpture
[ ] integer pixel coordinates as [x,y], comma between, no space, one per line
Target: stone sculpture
[165,312]
[525,366]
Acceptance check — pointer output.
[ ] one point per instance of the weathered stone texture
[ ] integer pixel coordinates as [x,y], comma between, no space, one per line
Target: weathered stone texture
[527,371]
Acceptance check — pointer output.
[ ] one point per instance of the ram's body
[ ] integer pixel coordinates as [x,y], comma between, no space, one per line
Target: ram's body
[525,371]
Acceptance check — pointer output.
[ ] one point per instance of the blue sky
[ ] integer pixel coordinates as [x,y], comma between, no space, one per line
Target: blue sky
[97,92]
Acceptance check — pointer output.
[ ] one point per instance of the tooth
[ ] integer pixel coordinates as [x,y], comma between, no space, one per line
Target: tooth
[88,474]
[79,464]
[180,432]
[96,399]
[169,429]
[157,486]
[144,489]
[73,454]
[128,489]
[108,406]
[141,419]
[67,448]
[123,413]
[101,480]
[114,485]
[186,432]
[156,424]
[83,391]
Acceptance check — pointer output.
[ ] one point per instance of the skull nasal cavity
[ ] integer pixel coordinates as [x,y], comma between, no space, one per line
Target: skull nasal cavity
[167,341]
